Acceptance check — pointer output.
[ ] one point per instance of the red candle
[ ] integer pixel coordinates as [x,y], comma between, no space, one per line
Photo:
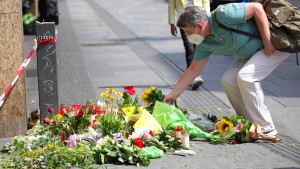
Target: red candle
[178,130]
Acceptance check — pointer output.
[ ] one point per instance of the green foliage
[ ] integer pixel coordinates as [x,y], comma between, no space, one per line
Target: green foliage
[45,151]
[165,141]
[235,120]
[110,123]
[119,152]
[128,101]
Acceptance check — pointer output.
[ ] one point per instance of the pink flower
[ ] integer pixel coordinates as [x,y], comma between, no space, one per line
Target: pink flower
[238,128]
[72,140]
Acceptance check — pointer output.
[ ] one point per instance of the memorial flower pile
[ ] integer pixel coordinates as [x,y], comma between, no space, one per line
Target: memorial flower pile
[116,129]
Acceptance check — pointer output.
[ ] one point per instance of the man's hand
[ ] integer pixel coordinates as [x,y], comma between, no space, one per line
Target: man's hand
[173,30]
[269,48]
[170,98]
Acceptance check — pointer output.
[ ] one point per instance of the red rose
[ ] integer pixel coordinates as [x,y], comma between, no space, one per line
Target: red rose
[62,136]
[62,109]
[131,92]
[233,142]
[128,88]
[46,120]
[50,109]
[94,111]
[138,142]
[76,106]
[80,114]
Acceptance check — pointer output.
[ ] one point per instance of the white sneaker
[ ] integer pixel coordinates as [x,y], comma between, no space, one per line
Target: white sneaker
[271,132]
[198,81]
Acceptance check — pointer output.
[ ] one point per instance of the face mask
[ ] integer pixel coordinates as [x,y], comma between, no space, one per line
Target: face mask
[195,38]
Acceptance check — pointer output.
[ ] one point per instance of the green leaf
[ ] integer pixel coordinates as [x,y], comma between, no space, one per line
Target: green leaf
[112,154]
[102,158]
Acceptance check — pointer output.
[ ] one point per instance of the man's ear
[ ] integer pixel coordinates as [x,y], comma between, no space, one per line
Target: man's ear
[200,25]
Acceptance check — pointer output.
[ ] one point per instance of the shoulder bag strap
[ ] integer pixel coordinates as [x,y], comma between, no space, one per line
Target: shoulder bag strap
[234,30]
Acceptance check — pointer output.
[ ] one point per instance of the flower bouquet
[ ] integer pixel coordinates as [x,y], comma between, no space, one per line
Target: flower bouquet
[235,129]
[150,96]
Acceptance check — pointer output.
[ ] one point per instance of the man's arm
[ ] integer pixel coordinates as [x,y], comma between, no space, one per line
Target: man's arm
[188,76]
[256,11]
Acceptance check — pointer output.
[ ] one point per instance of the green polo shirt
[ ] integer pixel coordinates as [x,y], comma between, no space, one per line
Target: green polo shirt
[226,42]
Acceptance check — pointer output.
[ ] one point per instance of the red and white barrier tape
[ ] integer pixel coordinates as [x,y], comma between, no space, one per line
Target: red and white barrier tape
[24,65]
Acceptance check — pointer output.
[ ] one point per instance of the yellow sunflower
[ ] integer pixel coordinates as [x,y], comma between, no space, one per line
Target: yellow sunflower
[224,127]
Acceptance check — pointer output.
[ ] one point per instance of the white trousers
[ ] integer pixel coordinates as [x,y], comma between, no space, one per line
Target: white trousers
[241,83]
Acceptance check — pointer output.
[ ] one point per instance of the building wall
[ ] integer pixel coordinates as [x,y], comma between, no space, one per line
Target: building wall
[12,113]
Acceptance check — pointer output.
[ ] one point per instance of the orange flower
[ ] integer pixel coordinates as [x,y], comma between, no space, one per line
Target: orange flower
[46,120]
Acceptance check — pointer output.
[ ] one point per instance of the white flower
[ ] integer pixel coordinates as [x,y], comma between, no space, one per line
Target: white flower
[12,147]
[12,164]
[101,104]
[142,132]
[91,133]
[41,158]
[27,159]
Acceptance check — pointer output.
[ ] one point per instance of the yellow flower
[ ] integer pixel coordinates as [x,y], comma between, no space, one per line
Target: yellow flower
[128,111]
[224,127]
[111,98]
[119,94]
[57,117]
[51,147]
[80,149]
[144,97]
[153,88]
[105,95]
[147,91]
[110,90]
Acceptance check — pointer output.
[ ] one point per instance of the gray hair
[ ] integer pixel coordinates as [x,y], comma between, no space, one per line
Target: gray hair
[191,16]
